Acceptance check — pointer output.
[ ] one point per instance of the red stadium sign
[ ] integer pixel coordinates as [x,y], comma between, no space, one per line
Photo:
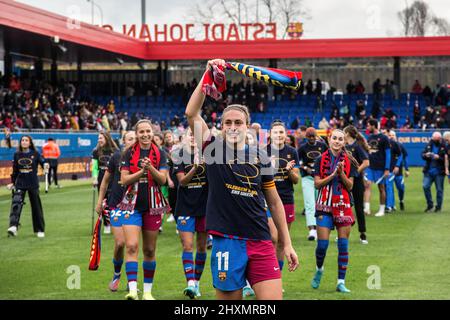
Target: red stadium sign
[205,32]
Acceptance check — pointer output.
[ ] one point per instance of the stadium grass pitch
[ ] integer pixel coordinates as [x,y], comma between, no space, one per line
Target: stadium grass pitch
[410,250]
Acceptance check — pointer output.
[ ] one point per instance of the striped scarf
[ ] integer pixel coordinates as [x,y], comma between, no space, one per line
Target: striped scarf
[157,203]
[334,198]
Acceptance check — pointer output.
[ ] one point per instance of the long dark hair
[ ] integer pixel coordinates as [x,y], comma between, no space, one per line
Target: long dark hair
[32,147]
[355,134]
[109,146]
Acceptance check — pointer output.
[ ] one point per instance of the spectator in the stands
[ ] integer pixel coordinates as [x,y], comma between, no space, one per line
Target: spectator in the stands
[360,89]
[416,88]
[351,87]
[324,124]
[318,89]
[376,89]
[309,87]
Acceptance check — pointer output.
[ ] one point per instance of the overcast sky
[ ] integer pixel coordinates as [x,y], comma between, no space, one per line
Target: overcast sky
[328,18]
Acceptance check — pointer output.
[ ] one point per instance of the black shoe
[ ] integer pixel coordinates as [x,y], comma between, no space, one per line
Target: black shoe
[388,210]
[402,206]
[437,209]
[428,209]
[303,212]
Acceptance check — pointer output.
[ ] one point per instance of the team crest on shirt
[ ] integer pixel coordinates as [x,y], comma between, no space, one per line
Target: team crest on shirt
[183,222]
[222,276]
[313,154]
[289,156]
[320,217]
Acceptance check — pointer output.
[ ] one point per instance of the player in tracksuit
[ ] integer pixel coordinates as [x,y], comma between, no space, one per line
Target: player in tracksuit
[380,162]
[239,180]
[397,172]
[396,162]
[24,178]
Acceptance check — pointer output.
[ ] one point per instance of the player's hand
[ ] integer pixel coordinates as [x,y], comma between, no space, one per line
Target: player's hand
[291,257]
[99,208]
[171,184]
[215,62]
[407,173]
[10,186]
[290,165]
[386,174]
[147,163]
[340,168]
[396,171]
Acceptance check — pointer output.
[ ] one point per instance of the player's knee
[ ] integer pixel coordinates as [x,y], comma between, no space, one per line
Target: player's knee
[187,246]
[132,249]
[149,252]
[120,244]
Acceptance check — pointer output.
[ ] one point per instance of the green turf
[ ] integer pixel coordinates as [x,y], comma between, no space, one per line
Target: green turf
[411,250]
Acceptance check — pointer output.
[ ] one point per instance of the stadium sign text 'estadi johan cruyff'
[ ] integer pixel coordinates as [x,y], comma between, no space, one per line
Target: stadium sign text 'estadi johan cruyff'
[208,32]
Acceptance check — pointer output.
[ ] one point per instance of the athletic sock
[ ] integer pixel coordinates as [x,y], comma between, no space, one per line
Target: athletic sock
[131,268]
[188,265]
[117,268]
[382,207]
[149,272]
[342,258]
[200,259]
[366,206]
[281,264]
[321,251]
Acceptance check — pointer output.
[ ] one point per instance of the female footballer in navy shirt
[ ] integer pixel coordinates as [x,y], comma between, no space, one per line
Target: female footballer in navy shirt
[239,179]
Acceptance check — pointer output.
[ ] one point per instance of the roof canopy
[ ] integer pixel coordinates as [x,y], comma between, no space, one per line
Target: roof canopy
[28,30]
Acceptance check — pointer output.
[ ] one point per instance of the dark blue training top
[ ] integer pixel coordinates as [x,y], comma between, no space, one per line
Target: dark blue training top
[379,152]
[116,190]
[358,153]
[308,153]
[25,168]
[191,199]
[280,159]
[236,180]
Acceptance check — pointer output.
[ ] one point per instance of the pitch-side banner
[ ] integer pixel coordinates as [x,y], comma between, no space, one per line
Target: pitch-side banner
[72,145]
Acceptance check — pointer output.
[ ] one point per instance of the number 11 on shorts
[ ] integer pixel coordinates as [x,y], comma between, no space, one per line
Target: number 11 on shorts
[226,256]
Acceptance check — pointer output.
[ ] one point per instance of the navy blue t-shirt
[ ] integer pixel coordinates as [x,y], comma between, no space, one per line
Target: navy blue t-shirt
[102,158]
[191,199]
[378,143]
[280,159]
[358,153]
[116,190]
[236,203]
[308,153]
[142,201]
[25,169]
